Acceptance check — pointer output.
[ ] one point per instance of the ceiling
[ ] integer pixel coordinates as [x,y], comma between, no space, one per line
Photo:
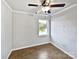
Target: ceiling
[22,5]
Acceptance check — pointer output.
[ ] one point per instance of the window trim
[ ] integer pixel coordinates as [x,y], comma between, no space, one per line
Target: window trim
[46,26]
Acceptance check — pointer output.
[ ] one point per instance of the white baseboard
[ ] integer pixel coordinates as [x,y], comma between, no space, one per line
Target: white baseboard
[25,47]
[9,54]
[63,50]
[38,45]
[30,46]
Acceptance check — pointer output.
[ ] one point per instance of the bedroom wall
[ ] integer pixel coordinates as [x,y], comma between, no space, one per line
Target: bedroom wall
[6,31]
[64,30]
[25,30]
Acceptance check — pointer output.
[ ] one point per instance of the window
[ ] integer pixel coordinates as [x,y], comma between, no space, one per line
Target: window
[42,27]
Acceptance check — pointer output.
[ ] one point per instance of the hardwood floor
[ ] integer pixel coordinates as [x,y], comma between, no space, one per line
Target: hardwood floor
[46,51]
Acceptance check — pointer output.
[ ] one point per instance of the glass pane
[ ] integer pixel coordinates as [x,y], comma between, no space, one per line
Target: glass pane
[42,27]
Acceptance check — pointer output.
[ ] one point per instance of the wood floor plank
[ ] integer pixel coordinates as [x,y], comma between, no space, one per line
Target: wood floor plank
[46,51]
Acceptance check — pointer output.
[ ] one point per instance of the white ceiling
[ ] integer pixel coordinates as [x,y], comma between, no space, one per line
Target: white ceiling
[22,5]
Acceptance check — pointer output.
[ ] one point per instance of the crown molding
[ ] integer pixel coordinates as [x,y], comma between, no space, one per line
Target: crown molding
[23,12]
[65,9]
[7,5]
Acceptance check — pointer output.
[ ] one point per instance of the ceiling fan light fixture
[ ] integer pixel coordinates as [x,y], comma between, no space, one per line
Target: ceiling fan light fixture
[45,8]
[49,11]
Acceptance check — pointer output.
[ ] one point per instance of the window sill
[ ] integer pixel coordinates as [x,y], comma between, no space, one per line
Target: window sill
[43,35]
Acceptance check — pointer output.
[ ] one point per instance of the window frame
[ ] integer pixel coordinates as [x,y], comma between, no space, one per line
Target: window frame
[46,27]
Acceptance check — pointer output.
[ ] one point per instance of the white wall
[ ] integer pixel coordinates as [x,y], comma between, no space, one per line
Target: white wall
[64,30]
[6,31]
[25,30]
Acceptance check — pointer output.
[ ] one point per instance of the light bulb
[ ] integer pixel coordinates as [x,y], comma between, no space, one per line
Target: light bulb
[45,9]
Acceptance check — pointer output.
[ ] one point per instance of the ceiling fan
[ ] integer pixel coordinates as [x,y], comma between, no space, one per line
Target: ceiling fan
[46,5]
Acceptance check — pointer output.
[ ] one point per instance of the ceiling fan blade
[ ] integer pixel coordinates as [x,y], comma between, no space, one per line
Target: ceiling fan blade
[57,5]
[32,5]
